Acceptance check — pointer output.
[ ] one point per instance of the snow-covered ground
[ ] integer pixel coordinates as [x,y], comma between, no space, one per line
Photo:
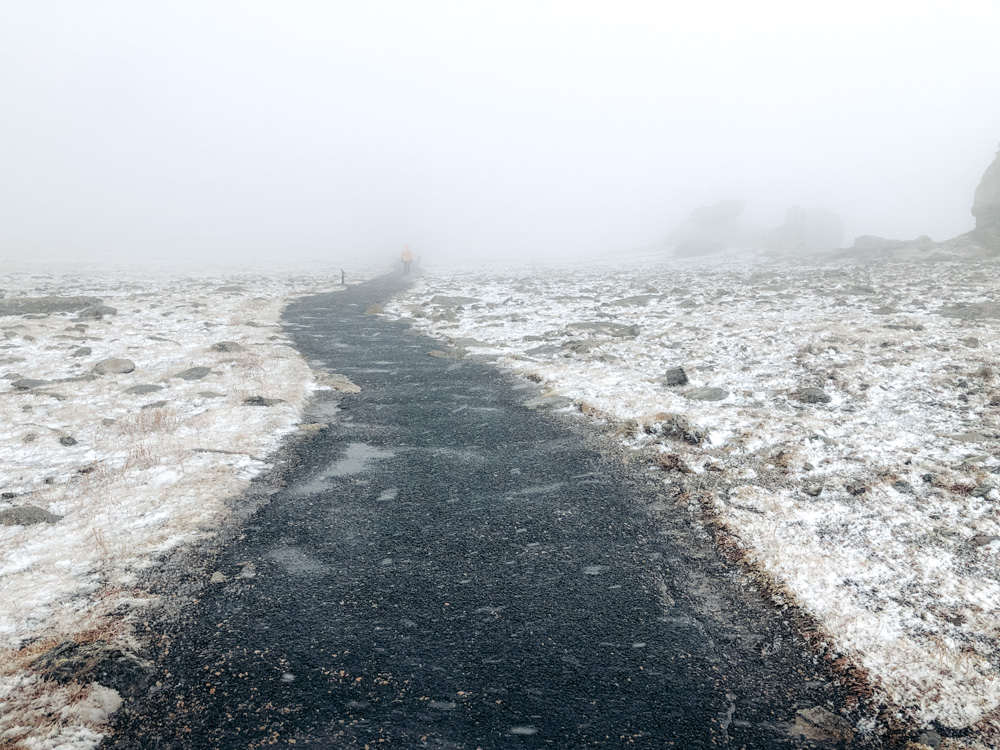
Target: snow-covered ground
[127,473]
[870,502]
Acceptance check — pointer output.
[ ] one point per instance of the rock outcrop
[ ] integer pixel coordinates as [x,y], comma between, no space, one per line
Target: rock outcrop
[808,230]
[709,229]
[986,207]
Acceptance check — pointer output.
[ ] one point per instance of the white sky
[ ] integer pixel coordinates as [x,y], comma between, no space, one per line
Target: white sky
[505,129]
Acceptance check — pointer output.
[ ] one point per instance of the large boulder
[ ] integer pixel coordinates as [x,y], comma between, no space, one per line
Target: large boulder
[986,207]
[808,229]
[709,229]
[45,305]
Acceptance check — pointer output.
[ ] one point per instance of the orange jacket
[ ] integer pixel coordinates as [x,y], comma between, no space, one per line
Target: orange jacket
[407,255]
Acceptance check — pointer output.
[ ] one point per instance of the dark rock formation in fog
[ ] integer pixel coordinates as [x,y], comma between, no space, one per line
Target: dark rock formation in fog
[986,207]
[709,229]
[808,230]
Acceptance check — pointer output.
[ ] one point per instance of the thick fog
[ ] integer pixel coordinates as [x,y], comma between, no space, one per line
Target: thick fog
[314,130]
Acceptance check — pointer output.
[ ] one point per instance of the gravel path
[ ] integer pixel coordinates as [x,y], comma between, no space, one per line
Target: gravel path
[446,568]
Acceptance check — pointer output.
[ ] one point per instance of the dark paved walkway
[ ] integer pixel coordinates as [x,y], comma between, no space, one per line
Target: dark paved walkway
[449,569]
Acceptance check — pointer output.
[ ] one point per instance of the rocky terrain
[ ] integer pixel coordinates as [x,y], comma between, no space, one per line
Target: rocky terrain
[836,425]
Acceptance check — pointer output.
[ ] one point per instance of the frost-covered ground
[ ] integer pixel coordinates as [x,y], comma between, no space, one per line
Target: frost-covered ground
[127,473]
[870,500]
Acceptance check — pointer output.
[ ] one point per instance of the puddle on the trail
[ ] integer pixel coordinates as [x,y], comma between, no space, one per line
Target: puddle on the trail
[296,561]
[356,459]
[328,409]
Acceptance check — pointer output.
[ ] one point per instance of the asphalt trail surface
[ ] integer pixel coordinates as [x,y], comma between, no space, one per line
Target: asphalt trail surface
[444,567]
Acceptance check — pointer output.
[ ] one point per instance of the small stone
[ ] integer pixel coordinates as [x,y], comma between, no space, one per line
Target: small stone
[818,723]
[813,490]
[548,402]
[81,351]
[985,540]
[27,384]
[97,312]
[856,488]
[114,366]
[438,353]
[707,393]
[67,440]
[675,376]
[811,396]
[971,341]
[374,310]
[26,515]
[901,485]
[154,405]
[313,426]
[248,571]
[227,346]
[140,390]
[444,301]
[211,394]
[932,740]
[338,382]
[218,577]
[673,462]
[261,401]
[193,373]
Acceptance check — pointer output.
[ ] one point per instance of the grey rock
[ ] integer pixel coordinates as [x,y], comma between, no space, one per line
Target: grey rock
[193,373]
[114,366]
[67,440]
[582,346]
[95,662]
[11,376]
[543,350]
[548,402]
[986,207]
[81,351]
[374,310]
[707,393]
[813,490]
[26,515]
[981,490]
[885,310]
[971,341]
[154,405]
[96,312]
[27,384]
[211,394]
[227,346]
[45,305]
[639,300]
[261,401]
[972,311]
[442,300]
[982,540]
[675,376]
[614,330]
[469,343]
[811,396]
[143,389]
[901,485]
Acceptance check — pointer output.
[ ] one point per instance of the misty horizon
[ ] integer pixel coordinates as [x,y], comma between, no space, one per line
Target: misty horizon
[306,131]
